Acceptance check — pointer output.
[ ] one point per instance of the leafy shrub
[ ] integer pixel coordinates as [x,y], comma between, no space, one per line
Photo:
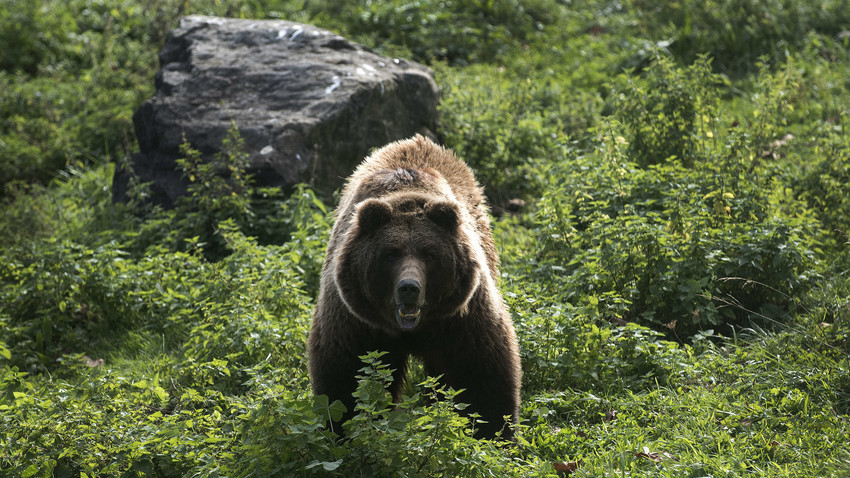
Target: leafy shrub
[308,224]
[676,231]
[68,298]
[285,433]
[31,35]
[737,32]
[30,116]
[459,32]
[253,311]
[68,93]
[566,348]
[824,185]
[218,191]
[688,266]
[487,124]
[662,114]
[218,330]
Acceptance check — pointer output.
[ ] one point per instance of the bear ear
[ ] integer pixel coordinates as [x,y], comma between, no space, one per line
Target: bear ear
[372,214]
[444,214]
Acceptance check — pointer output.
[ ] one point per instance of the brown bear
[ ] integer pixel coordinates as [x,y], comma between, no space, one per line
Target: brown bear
[411,269]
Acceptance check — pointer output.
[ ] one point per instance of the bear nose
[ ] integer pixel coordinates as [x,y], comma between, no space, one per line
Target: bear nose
[408,291]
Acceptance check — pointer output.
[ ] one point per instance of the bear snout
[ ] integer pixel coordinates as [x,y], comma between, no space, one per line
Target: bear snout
[410,282]
[407,291]
[409,294]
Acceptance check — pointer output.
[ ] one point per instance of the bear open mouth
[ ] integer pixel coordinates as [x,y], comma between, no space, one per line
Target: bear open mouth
[407,315]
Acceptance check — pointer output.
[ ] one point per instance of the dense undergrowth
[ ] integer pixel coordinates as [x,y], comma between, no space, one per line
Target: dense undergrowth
[678,277]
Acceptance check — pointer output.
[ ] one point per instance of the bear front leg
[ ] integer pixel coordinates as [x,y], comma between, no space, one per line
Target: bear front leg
[333,371]
[334,364]
[486,364]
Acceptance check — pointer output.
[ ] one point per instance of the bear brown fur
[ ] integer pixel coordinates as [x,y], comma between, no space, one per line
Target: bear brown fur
[411,269]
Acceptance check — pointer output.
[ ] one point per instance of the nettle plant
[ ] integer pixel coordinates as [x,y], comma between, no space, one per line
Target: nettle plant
[670,221]
[488,122]
[219,189]
[423,435]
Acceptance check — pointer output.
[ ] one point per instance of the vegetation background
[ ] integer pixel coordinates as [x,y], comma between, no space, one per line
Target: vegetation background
[678,278]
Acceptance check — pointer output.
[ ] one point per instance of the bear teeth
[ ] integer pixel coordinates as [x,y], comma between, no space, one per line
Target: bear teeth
[408,316]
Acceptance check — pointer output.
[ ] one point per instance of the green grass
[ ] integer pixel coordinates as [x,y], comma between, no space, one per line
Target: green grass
[678,278]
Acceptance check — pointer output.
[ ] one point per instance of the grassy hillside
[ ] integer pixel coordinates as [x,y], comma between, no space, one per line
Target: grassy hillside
[678,277]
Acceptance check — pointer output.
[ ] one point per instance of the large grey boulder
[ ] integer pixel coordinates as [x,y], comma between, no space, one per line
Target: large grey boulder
[308,103]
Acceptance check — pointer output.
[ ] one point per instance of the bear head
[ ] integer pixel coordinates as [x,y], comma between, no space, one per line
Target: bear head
[408,259]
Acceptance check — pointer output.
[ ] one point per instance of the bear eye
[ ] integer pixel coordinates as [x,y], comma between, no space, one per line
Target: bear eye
[430,256]
[390,257]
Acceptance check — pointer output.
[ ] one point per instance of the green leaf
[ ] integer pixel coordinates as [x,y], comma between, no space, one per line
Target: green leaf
[336,410]
[30,471]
